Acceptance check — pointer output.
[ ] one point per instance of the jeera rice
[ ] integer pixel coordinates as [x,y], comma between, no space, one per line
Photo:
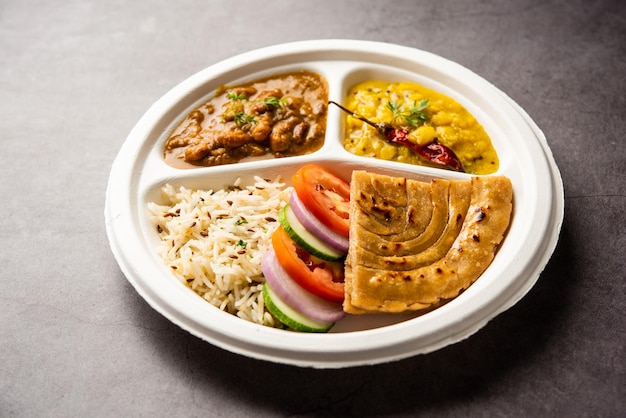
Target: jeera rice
[213,241]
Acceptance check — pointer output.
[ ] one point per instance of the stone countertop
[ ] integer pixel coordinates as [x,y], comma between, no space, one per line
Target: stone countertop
[77,340]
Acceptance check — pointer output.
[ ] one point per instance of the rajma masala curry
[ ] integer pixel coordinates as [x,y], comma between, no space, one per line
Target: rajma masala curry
[277,116]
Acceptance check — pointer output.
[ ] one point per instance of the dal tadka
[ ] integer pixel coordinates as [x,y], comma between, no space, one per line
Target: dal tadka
[277,116]
[429,117]
[414,245]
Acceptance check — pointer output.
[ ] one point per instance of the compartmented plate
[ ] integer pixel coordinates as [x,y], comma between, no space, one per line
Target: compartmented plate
[139,172]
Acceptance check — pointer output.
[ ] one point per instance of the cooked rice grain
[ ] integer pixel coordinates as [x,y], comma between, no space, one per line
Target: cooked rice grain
[213,242]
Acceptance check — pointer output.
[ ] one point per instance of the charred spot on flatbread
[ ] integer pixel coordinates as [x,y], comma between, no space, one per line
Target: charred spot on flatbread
[415,244]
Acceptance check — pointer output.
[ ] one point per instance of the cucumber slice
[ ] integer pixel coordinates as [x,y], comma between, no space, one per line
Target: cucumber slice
[297,232]
[290,317]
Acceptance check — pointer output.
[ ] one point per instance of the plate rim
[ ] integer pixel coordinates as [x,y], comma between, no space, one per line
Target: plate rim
[317,357]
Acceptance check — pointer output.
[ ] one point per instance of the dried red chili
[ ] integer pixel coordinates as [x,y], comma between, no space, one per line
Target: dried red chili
[435,152]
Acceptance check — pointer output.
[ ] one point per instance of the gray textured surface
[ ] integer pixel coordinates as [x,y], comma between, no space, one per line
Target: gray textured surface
[77,340]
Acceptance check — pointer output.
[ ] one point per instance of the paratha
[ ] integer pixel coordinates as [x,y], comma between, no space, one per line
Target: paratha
[416,244]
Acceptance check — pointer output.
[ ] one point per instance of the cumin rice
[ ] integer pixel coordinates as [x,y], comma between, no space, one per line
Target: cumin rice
[213,242]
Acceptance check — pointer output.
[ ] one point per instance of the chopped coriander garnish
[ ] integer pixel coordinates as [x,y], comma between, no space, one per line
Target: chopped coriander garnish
[235,97]
[414,116]
[242,119]
[236,110]
[273,101]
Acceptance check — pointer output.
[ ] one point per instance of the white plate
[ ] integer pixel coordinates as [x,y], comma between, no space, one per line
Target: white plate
[139,172]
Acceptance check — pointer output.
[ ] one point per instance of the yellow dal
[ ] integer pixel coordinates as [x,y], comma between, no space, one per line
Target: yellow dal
[448,121]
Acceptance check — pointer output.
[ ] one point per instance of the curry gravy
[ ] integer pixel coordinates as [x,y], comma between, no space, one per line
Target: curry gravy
[277,116]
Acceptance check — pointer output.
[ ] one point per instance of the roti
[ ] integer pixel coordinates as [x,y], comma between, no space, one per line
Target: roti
[414,245]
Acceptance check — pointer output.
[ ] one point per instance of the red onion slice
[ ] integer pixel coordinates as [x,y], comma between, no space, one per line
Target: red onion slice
[295,296]
[315,227]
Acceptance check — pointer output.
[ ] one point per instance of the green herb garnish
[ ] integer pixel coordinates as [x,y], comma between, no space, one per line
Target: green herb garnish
[241,119]
[237,111]
[273,101]
[414,116]
[231,95]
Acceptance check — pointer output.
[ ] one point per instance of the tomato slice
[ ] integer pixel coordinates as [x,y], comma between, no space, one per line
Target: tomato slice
[319,277]
[325,195]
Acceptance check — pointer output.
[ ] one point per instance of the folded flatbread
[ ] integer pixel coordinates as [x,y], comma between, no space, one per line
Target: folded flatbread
[414,245]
